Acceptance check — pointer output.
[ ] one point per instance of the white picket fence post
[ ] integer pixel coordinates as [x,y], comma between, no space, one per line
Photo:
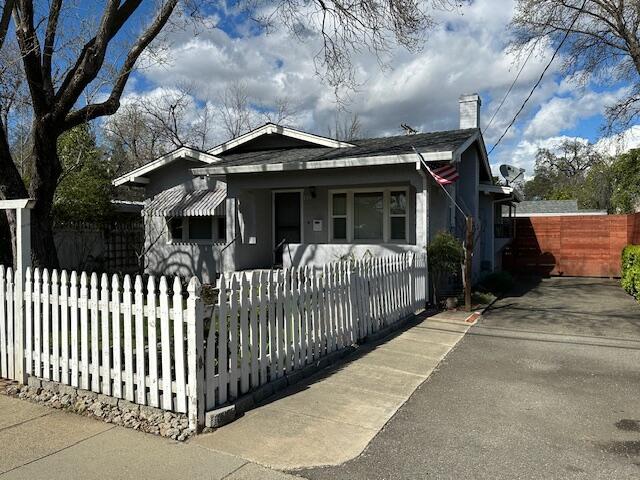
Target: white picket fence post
[195,355]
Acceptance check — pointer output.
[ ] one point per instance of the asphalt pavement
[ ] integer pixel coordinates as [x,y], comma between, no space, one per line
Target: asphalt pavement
[546,385]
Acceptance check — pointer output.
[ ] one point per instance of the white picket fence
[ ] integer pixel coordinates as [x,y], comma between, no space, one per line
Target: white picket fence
[270,323]
[148,346]
[118,340]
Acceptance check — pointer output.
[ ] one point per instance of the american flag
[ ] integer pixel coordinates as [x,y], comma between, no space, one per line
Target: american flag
[444,175]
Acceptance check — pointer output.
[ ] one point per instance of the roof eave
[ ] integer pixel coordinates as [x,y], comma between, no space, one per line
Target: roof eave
[137,176]
[407,158]
[272,128]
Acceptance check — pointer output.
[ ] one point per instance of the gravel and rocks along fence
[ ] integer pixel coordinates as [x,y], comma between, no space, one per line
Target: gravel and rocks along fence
[105,408]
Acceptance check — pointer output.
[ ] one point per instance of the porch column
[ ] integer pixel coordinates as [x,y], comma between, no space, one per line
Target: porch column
[228,254]
[422,213]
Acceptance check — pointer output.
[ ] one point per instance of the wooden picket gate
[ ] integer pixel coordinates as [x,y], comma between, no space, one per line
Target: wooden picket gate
[122,342]
[267,324]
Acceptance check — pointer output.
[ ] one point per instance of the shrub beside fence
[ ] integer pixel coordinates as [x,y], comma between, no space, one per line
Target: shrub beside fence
[148,346]
[630,270]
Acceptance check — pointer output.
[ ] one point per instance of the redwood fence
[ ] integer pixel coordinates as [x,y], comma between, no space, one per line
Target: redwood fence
[583,246]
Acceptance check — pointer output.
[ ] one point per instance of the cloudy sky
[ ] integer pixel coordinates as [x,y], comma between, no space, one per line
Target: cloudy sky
[466,52]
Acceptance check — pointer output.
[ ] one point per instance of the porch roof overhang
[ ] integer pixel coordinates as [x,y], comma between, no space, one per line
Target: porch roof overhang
[507,193]
[180,202]
[349,162]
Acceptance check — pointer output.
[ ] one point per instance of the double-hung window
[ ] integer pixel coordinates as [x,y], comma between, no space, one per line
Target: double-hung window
[339,216]
[398,215]
[369,215]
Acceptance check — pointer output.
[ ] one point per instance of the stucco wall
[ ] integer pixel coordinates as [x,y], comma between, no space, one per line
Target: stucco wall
[176,173]
[319,255]
[316,186]
[183,259]
[467,191]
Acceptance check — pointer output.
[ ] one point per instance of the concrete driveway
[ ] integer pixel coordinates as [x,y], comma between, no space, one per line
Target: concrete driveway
[547,385]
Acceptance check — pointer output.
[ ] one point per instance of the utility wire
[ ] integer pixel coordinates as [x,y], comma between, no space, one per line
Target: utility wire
[510,87]
[537,84]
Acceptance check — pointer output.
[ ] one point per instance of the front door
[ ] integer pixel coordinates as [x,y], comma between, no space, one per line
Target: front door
[287,223]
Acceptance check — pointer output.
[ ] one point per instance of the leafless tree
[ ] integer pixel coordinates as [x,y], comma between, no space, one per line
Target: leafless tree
[234,110]
[77,65]
[281,112]
[346,128]
[148,126]
[601,41]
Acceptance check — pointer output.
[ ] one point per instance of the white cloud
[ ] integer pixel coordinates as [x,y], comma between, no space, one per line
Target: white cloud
[563,113]
[620,143]
[467,52]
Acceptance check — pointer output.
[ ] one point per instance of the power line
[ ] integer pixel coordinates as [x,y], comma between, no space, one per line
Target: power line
[537,84]
[510,87]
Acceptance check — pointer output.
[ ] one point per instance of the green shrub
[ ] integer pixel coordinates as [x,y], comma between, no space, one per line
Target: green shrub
[445,255]
[497,282]
[630,270]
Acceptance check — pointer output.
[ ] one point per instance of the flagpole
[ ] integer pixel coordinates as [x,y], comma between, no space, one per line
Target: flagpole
[468,251]
[424,162]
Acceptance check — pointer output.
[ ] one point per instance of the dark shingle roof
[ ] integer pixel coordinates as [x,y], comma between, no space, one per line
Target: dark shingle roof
[425,142]
[548,206]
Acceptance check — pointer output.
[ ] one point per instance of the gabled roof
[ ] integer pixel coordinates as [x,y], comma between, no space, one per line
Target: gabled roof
[302,138]
[187,153]
[435,146]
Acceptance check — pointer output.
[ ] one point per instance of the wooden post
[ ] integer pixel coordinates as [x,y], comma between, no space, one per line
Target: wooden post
[468,264]
[23,261]
[195,355]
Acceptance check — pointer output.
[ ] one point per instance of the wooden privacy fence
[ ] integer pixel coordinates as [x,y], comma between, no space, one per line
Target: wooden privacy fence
[148,346]
[118,340]
[584,245]
[270,323]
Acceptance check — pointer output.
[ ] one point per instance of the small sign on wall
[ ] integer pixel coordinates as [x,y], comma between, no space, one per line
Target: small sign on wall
[317,225]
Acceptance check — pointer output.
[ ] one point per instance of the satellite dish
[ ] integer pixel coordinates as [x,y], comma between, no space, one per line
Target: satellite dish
[511,173]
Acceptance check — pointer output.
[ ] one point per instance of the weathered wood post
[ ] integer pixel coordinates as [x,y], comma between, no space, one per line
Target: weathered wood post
[468,264]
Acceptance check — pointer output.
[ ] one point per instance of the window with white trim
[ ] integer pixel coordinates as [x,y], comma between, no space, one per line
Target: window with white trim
[369,215]
[339,216]
[206,229]
[398,215]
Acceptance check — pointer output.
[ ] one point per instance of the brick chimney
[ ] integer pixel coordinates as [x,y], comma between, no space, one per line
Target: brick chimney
[470,111]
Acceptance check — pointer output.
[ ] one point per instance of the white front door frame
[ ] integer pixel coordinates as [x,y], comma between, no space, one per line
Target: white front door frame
[273,216]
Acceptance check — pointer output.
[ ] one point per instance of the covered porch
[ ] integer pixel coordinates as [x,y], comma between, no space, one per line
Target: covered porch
[313,217]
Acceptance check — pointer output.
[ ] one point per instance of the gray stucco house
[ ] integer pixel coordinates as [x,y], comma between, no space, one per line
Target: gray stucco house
[278,196]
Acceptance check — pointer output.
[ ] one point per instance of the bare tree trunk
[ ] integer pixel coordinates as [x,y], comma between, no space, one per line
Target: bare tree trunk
[11,187]
[42,189]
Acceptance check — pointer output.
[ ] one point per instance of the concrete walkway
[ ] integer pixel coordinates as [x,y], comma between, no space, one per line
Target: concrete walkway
[37,442]
[545,386]
[331,417]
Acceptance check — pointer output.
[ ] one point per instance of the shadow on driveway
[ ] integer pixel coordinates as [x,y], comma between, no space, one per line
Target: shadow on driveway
[545,386]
